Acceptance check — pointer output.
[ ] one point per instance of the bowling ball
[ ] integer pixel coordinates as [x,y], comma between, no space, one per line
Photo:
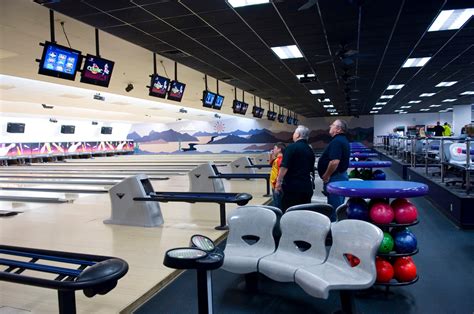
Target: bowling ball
[357,209]
[354,173]
[387,243]
[405,213]
[379,175]
[398,201]
[381,213]
[384,269]
[366,174]
[405,269]
[352,259]
[405,242]
[377,200]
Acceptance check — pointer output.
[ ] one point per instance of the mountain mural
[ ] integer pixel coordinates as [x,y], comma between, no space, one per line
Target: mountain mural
[134,136]
[261,137]
[167,136]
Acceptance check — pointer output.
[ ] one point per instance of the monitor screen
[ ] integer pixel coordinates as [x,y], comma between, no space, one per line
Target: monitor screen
[289,120]
[295,121]
[219,102]
[15,127]
[59,61]
[236,106]
[208,98]
[257,112]
[67,129]
[281,118]
[271,115]
[97,71]
[176,91]
[244,107]
[159,86]
[106,130]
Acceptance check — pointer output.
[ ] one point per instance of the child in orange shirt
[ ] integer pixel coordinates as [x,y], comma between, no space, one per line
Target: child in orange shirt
[275,160]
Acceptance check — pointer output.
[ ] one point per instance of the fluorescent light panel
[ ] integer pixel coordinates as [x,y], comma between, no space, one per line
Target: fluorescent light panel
[244,3]
[326,100]
[426,109]
[400,86]
[380,103]
[374,111]
[317,91]
[451,19]
[445,84]
[405,107]
[435,106]
[307,75]
[415,62]
[376,108]
[468,92]
[334,113]
[427,94]
[386,96]
[450,100]
[287,52]
[414,101]
[328,106]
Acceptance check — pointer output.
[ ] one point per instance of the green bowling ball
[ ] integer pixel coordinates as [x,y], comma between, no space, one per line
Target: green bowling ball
[354,173]
[387,243]
[366,174]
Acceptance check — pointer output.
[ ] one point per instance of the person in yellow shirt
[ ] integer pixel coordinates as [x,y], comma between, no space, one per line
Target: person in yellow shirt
[275,160]
[447,129]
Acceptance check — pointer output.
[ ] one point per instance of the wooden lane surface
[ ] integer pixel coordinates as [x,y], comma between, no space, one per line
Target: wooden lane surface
[78,227]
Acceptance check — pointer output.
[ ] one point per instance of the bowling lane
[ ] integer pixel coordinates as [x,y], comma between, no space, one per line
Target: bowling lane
[66,175]
[59,181]
[57,188]
[35,197]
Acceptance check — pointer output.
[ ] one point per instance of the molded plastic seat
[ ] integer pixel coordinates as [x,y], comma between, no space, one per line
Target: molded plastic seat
[302,243]
[322,208]
[355,237]
[250,238]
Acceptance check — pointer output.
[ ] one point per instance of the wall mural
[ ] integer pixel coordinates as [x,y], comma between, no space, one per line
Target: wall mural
[236,135]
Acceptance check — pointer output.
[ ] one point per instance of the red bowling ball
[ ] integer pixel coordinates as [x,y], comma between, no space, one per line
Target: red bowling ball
[405,269]
[385,270]
[405,213]
[381,213]
[398,201]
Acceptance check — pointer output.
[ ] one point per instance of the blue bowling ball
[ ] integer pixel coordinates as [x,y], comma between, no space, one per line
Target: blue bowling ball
[357,209]
[378,175]
[405,242]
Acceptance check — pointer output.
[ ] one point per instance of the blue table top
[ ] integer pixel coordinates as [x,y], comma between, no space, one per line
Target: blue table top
[355,154]
[377,189]
[370,164]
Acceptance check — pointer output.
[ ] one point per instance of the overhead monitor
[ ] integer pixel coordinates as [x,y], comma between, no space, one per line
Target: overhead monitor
[106,130]
[59,61]
[281,118]
[219,102]
[67,129]
[159,86]
[236,106]
[271,115]
[244,108]
[289,119]
[208,98]
[13,127]
[257,112]
[97,71]
[176,91]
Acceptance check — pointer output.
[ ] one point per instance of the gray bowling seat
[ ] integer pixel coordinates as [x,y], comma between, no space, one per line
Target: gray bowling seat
[240,165]
[199,180]
[356,237]
[250,238]
[302,243]
[322,208]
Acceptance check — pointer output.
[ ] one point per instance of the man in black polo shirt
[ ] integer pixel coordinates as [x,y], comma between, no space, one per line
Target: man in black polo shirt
[334,161]
[438,129]
[296,169]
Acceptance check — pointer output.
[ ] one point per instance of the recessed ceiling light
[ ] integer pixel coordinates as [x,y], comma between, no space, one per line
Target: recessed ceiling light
[414,101]
[328,106]
[287,52]
[386,96]
[305,75]
[415,62]
[317,91]
[450,100]
[400,86]
[380,103]
[243,3]
[444,84]
[427,94]
[405,107]
[425,109]
[451,19]
[468,92]
[435,106]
